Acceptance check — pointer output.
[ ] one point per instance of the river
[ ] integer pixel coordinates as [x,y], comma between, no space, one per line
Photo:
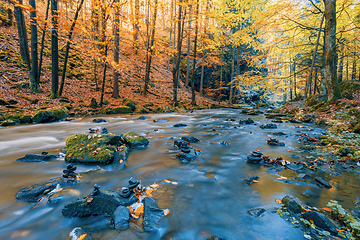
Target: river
[210,198]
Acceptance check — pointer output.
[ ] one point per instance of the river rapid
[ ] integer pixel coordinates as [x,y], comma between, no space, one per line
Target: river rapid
[210,198]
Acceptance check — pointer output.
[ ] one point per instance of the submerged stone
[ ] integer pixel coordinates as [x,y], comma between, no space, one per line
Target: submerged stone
[292,205]
[268,126]
[180,125]
[152,215]
[121,218]
[275,142]
[257,212]
[190,139]
[322,183]
[38,157]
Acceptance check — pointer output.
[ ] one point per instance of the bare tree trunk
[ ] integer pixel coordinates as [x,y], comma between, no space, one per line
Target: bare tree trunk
[220,81]
[43,41]
[150,50]
[231,76]
[176,69]
[188,54]
[23,40]
[54,51]
[353,75]
[341,68]
[34,84]
[314,58]
[68,47]
[202,73]
[136,26]
[104,78]
[115,93]
[193,100]
[330,51]
[171,28]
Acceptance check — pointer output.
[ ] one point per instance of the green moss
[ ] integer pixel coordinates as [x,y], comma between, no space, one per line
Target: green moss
[122,109]
[315,100]
[133,139]
[25,119]
[308,147]
[356,129]
[109,110]
[9,122]
[348,88]
[91,148]
[50,115]
[130,103]
[345,151]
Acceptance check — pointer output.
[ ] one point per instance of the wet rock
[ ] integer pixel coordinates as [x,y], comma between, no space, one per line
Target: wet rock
[79,233]
[251,111]
[215,238]
[275,142]
[142,117]
[246,121]
[152,215]
[321,182]
[130,103]
[160,121]
[292,205]
[255,157]
[304,176]
[100,120]
[356,210]
[251,179]
[121,218]
[35,192]
[121,156]
[9,122]
[294,156]
[180,125]
[320,220]
[135,140]
[308,193]
[307,118]
[97,203]
[257,212]
[203,125]
[295,167]
[38,157]
[190,139]
[268,126]
[55,114]
[133,183]
[69,171]
[92,148]
[278,133]
[187,157]
[122,110]
[224,143]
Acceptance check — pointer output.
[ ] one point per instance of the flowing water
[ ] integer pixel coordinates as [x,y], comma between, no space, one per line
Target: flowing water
[210,198]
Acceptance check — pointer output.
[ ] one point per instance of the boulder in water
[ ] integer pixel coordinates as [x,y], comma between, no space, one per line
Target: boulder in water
[268,126]
[255,157]
[320,220]
[50,115]
[134,140]
[121,218]
[92,148]
[246,121]
[190,139]
[180,125]
[292,205]
[152,215]
[44,156]
[275,142]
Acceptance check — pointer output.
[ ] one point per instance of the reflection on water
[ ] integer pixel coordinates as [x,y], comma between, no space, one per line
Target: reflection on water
[210,199]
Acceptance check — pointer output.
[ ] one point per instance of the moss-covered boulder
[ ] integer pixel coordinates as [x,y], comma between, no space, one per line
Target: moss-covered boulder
[92,148]
[3,102]
[130,103]
[356,129]
[109,110]
[25,119]
[122,110]
[348,88]
[50,115]
[134,140]
[9,122]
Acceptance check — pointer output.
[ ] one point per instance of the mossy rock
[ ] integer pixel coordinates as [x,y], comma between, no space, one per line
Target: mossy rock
[308,147]
[348,88]
[92,148]
[10,122]
[261,105]
[122,110]
[356,129]
[50,115]
[314,100]
[25,119]
[345,151]
[354,112]
[12,101]
[163,109]
[79,75]
[109,110]
[3,102]
[134,140]
[142,110]
[12,116]
[148,104]
[130,103]
[23,84]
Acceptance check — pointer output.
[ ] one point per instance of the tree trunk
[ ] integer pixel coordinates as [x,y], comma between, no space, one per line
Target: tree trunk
[353,75]
[54,51]
[231,76]
[189,52]
[341,67]
[34,84]
[68,47]
[23,40]
[171,29]
[115,93]
[150,50]
[220,81]
[104,78]
[202,73]
[330,51]
[176,70]
[193,100]
[314,58]
[43,41]
[136,27]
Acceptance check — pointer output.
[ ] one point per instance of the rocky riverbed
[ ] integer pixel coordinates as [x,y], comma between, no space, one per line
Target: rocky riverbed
[219,174]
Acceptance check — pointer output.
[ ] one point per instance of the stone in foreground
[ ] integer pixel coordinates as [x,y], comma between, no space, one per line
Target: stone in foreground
[152,215]
[134,140]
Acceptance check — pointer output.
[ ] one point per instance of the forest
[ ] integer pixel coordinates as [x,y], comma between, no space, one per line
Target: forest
[203,82]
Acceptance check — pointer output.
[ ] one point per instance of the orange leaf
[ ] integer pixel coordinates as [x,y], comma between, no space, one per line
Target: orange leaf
[167,181]
[149,191]
[82,237]
[70,155]
[255,180]
[131,210]
[327,209]
[118,189]
[138,194]
[32,187]
[166,212]
[139,211]
[89,200]
[278,201]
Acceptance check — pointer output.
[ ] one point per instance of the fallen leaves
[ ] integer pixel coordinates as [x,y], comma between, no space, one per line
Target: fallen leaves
[278,201]
[166,212]
[89,200]
[70,155]
[82,237]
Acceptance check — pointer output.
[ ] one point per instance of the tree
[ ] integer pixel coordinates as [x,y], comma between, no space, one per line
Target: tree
[115,93]
[330,51]
[23,40]
[54,51]
[34,83]
[193,100]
